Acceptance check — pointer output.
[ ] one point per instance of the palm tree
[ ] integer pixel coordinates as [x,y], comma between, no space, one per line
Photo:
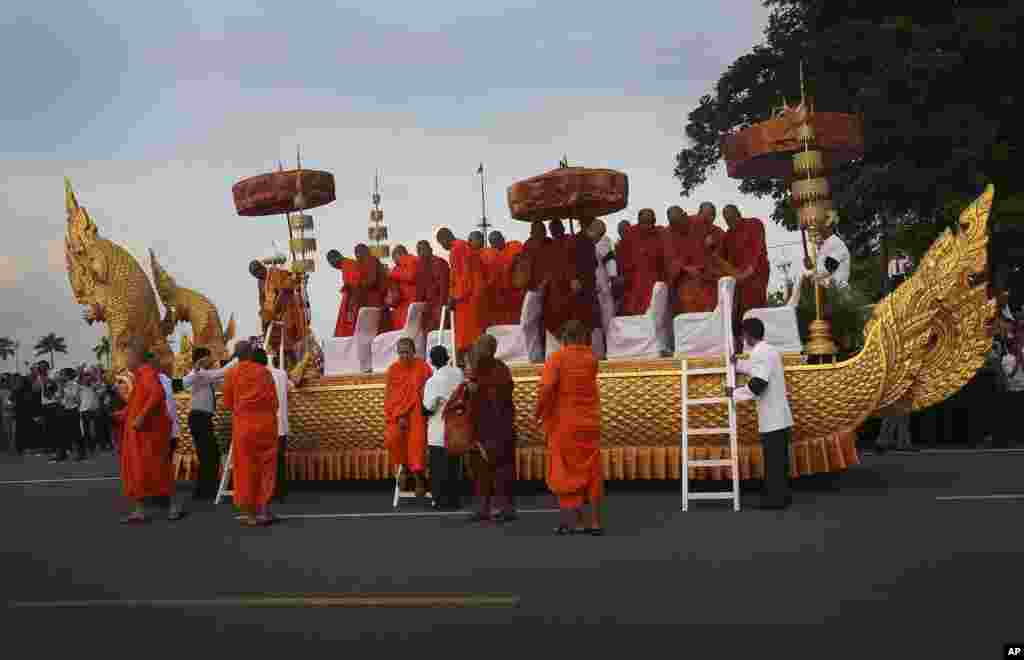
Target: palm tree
[50,344]
[102,350]
[7,348]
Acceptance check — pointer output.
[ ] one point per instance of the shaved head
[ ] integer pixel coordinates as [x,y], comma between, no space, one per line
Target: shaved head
[399,251]
[362,252]
[486,346]
[476,239]
[445,238]
[646,217]
[496,240]
[538,230]
[423,249]
[596,230]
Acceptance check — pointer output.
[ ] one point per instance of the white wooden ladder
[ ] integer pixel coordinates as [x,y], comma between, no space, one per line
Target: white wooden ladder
[225,478]
[726,286]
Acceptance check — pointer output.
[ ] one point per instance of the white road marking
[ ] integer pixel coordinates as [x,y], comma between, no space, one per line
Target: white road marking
[396,514]
[57,481]
[951,498]
[352,600]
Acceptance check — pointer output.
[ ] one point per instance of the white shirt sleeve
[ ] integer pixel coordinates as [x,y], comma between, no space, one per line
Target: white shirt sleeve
[430,391]
[743,366]
[743,394]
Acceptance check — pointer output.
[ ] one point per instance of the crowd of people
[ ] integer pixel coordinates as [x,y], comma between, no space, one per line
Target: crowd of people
[64,416]
[582,278]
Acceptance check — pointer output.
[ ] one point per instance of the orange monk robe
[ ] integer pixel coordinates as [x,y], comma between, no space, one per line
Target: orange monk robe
[744,247]
[471,290]
[250,395]
[694,292]
[284,292]
[558,266]
[403,287]
[352,276]
[403,398]
[508,299]
[145,470]
[569,407]
[643,264]
[432,283]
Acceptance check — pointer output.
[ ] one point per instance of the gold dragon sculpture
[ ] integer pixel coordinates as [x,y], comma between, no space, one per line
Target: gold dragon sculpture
[188,306]
[108,281]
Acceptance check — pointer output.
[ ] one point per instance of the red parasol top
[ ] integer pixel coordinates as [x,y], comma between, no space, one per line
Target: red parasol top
[766,149]
[569,192]
[274,193]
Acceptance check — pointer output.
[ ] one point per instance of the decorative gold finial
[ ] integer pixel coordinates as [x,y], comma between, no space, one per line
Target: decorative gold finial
[69,196]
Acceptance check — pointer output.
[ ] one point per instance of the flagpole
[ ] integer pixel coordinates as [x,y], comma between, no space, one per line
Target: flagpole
[483,202]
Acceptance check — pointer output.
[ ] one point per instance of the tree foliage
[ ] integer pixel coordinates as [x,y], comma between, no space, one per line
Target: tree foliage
[49,345]
[931,82]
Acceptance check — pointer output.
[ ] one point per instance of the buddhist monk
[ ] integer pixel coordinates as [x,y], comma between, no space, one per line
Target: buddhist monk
[500,258]
[569,412]
[745,249]
[402,286]
[528,269]
[490,385]
[432,282]
[146,472]
[621,248]
[469,294]
[694,262]
[249,393]
[643,264]
[405,437]
[364,284]
[557,270]
[259,271]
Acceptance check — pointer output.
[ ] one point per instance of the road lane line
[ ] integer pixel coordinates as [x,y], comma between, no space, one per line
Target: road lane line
[312,600]
[952,498]
[389,514]
[56,481]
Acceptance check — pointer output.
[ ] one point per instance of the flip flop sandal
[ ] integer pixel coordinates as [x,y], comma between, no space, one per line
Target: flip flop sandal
[177,515]
[594,531]
[134,519]
[249,522]
[563,530]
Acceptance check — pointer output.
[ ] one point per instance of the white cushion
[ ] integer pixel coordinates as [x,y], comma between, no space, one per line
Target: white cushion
[644,335]
[705,333]
[521,343]
[384,349]
[351,355]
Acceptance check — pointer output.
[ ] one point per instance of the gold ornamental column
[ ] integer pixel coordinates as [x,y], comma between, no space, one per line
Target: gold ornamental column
[811,198]
[378,231]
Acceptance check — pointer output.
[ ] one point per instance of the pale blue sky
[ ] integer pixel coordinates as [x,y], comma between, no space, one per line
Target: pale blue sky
[155,109]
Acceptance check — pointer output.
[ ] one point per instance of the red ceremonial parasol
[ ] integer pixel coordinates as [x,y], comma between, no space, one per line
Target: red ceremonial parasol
[766,149]
[567,193]
[274,193]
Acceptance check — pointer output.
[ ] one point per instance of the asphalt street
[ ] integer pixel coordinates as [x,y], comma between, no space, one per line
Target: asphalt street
[876,560]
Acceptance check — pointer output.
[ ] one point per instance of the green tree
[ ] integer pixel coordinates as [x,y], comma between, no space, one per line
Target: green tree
[49,345]
[938,122]
[102,350]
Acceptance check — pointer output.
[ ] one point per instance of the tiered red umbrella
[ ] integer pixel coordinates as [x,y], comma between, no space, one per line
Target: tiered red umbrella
[569,193]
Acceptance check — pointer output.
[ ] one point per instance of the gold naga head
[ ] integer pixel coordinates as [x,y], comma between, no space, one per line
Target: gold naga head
[81,235]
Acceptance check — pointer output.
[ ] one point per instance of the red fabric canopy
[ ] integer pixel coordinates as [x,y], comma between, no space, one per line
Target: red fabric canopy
[569,192]
[274,193]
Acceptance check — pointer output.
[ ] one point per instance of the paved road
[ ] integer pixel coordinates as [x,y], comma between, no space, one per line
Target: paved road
[866,562]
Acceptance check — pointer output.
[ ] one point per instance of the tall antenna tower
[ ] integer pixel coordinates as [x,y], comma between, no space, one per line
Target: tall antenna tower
[378,232]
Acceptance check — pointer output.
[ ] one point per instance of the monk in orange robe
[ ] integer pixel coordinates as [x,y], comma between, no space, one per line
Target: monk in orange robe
[693,253]
[405,436]
[470,293]
[558,269]
[402,286]
[432,283]
[642,263]
[490,384]
[569,411]
[250,395]
[745,249]
[364,284]
[146,471]
[500,259]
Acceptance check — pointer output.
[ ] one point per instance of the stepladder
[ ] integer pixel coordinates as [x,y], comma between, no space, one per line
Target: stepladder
[727,373]
[405,494]
[225,478]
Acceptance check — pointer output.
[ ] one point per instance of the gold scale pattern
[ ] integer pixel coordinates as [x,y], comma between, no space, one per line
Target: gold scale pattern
[338,425]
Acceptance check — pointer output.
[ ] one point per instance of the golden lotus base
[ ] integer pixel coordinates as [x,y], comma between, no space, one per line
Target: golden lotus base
[834,453]
[337,424]
[819,340]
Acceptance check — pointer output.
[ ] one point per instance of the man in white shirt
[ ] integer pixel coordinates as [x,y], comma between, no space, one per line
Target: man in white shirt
[89,404]
[767,385]
[203,381]
[445,470]
[283,386]
[176,512]
[833,261]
